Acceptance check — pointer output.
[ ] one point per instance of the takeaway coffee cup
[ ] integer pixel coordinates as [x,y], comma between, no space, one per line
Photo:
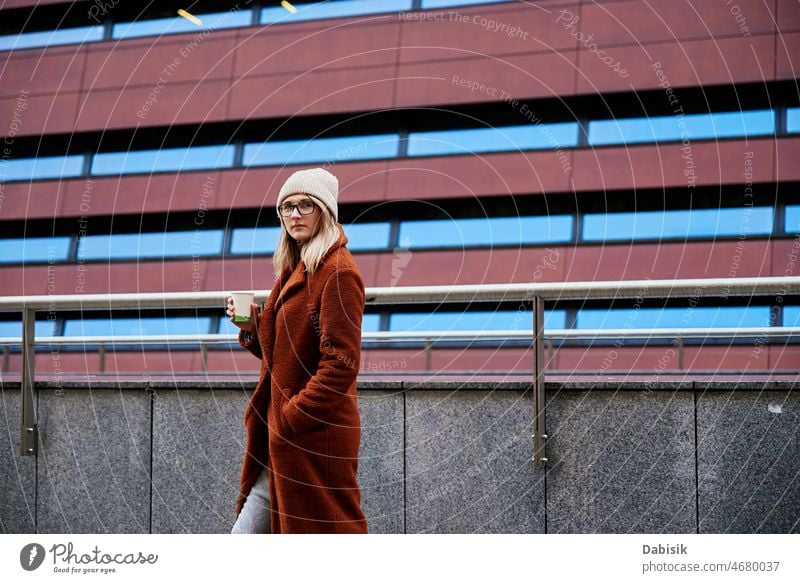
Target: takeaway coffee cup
[241,305]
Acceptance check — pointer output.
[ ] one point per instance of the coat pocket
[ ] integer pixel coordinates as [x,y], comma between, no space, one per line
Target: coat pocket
[298,422]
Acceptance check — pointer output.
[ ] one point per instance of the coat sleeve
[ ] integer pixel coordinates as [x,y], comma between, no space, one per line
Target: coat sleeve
[341,311]
[249,341]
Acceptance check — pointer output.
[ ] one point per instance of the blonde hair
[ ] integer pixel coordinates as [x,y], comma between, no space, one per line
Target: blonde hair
[288,253]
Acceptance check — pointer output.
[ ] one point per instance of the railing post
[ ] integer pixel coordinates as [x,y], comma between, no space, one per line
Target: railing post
[28,436]
[680,352]
[101,357]
[428,344]
[6,358]
[204,356]
[539,429]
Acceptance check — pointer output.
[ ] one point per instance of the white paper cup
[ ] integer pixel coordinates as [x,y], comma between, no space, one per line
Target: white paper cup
[241,305]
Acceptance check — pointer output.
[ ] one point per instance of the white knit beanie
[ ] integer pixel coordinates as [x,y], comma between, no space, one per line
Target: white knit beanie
[317,182]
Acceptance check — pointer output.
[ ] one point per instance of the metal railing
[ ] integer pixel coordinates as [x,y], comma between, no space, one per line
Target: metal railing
[428,338]
[532,295]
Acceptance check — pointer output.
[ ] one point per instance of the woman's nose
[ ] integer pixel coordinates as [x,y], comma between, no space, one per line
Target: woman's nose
[295,210]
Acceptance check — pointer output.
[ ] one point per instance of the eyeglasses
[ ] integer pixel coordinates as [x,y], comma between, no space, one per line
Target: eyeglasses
[305,207]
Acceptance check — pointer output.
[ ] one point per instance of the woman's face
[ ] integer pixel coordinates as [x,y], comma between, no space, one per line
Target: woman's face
[301,227]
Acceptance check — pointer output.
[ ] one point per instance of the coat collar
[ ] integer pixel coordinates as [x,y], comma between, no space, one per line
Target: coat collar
[297,278]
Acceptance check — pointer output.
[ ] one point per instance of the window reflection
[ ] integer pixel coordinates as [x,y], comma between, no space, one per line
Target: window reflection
[51,38]
[41,168]
[151,245]
[380,146]
[495,139]
[362,236]
[706,317]
[457,321]
[442,3]
[792,219]
[424,234]
[34,249]
[137,326]
[219,21]
[369,323]
[168,159]
[671,127]
[337,8]
[485,231]
[40,328]
[330,150]
[791,315]
[255,240]
[678,223]
[793,120]
[177,24]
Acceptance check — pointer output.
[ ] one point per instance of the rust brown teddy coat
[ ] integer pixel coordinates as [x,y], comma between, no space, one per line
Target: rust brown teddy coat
[302,421]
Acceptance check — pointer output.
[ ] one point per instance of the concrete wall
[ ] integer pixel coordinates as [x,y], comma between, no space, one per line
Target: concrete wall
[444,457]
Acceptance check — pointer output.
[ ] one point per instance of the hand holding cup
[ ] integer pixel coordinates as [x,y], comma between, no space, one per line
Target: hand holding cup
[240,303]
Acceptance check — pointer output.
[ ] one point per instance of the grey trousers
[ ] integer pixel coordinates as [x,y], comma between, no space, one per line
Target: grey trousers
[254,517]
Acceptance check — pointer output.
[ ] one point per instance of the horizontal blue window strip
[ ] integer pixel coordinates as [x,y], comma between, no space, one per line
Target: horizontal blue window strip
[442,3]
[456,321]
[367,236]
[710,317]
[500,139]
[51,38]
[137,326]
[485,231]
[151,245]
[792,219]
[41,168]
[369,323]
[791,315]
[318,10]
[321,150]
[170,159]
[793,120]
[178,24]
[40,328]
[225,326]
[264,239]
[34,249]
[692,127]
[256,240]
[678,223]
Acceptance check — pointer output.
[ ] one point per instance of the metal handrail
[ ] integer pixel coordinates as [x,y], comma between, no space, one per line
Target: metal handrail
[433,335]
[533,294]
[645,289]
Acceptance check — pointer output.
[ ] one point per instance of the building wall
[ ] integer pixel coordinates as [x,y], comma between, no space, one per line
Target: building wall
[387,62]
[501,62]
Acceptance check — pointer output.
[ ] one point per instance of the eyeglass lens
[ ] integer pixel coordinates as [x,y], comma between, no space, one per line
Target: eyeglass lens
[305,207]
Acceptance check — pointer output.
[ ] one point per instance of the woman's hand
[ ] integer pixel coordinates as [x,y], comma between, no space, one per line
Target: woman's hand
[246,326]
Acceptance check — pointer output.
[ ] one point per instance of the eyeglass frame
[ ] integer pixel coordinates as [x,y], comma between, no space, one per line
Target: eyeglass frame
[296,206]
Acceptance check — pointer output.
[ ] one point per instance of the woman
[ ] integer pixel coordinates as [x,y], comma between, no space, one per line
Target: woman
[302,422]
